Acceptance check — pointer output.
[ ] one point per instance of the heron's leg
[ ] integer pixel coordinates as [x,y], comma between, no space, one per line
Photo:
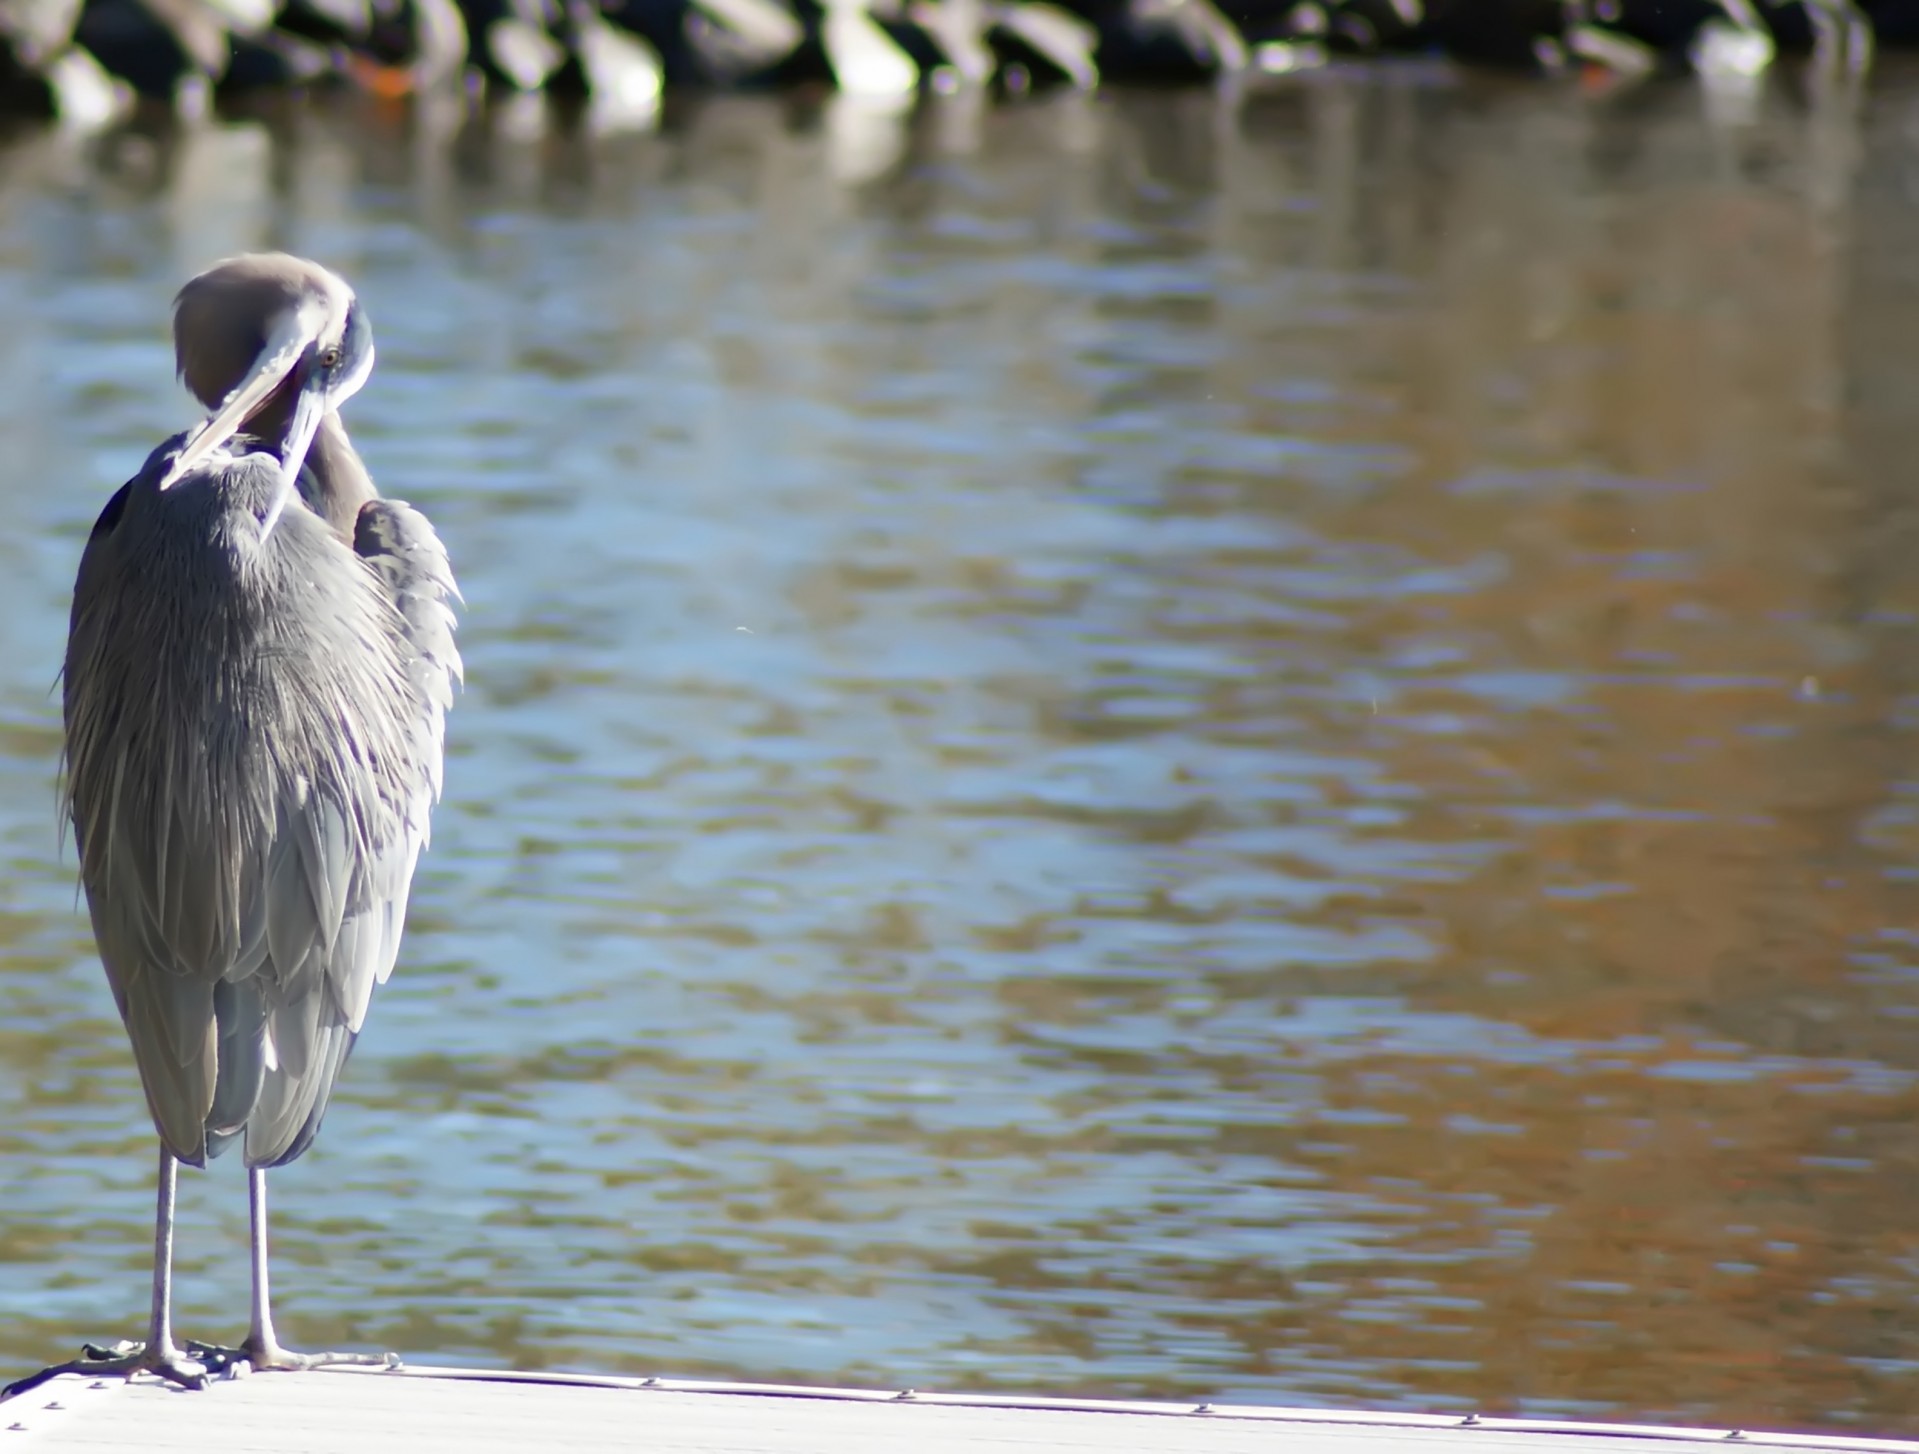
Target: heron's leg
[159,1354]
[262,1347]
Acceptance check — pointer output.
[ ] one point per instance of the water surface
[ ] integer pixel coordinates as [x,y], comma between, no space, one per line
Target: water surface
[1113,745]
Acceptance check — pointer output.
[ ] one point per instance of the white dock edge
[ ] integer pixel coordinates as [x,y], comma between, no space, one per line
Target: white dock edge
[428,1410]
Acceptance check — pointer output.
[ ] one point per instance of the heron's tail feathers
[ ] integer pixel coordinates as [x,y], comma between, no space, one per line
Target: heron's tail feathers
[291,1105]
[170,1022]
[241,1016]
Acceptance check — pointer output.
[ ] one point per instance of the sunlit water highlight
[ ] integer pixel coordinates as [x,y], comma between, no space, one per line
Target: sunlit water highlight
[1113,745]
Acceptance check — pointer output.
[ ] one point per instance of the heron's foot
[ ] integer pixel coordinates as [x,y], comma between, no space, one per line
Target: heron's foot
[219,1360]
[124,1359]
[267,1356]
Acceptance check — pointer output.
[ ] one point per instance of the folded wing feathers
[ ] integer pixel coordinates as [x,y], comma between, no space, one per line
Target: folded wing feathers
[243,947]
[400,545]
[345,931]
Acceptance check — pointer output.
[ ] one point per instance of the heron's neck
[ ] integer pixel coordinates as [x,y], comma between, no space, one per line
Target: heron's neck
[335,484]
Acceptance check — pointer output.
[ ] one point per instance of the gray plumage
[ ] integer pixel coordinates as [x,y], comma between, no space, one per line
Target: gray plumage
[254,738]
[259,664]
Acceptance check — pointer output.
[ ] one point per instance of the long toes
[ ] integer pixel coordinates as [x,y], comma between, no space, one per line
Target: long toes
[182,1371]
[283,1360]
[116,1358]
[355,1360]
[121,1350]
[34,1380]
[125,1359]
[216,1358]
[171,1364]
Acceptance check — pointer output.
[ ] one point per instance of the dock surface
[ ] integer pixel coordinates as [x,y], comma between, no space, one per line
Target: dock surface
[427,1410]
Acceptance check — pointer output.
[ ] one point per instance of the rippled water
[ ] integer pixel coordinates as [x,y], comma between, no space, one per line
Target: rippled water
[1112,746]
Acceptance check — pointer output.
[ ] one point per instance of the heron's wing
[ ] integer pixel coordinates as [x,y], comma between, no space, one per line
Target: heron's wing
[248,834]
[136,863]
[334,893]
[170,1022]
[337,887]
[196,1034]
[401,546]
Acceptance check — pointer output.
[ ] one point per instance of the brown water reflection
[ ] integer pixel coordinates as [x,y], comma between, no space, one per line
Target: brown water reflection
[1115,746]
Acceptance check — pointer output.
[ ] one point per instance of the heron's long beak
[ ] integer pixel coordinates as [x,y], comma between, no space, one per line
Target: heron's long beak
[309,408]
[281,355]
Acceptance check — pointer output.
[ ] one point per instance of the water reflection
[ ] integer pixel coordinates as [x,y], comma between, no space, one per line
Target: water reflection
[1114,744]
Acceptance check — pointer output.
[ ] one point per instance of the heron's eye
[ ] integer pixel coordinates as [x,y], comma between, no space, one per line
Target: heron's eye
[330,358]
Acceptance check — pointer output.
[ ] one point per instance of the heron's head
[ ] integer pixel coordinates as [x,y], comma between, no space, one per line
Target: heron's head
[269,343]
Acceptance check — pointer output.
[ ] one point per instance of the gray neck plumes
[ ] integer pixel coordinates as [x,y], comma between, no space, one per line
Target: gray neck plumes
[335,484]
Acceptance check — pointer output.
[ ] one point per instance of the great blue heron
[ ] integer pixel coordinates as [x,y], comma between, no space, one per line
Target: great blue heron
[259,664]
